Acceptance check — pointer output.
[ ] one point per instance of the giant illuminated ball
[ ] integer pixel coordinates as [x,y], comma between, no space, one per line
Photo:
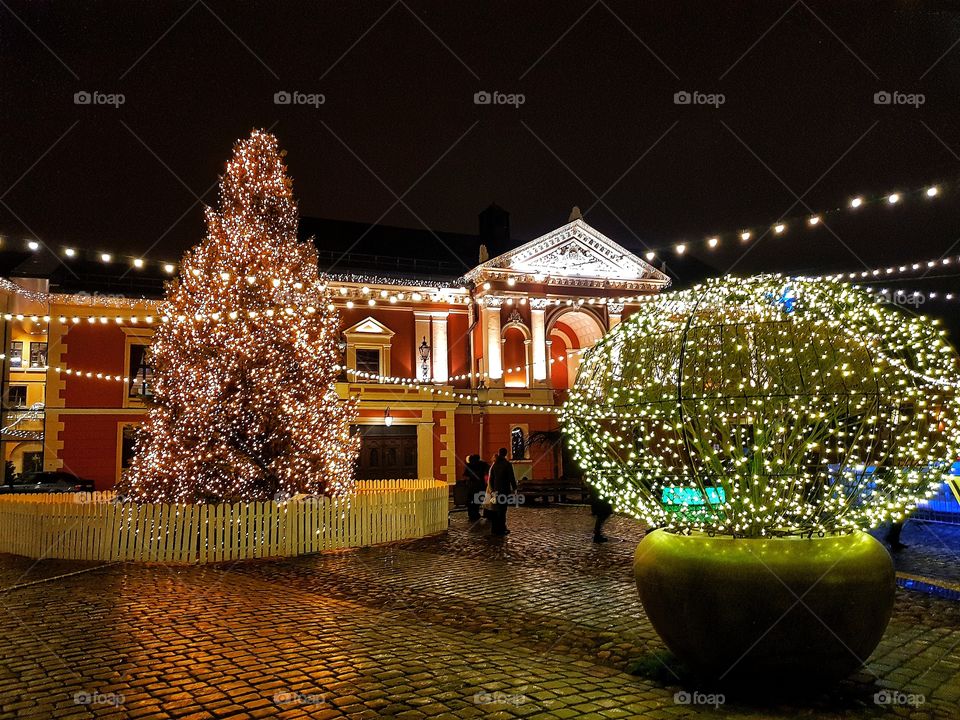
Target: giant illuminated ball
[767,406]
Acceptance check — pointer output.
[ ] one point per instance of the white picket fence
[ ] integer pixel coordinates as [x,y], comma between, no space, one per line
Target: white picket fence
[93,526]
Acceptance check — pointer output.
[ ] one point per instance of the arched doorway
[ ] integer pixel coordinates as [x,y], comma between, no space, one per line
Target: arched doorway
[570,332]
[516,351]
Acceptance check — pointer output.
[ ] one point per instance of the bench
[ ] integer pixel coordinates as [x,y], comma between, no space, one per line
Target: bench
[561,490]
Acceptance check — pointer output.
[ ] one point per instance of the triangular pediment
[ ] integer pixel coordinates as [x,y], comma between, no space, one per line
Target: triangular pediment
[575,250]
[369,326]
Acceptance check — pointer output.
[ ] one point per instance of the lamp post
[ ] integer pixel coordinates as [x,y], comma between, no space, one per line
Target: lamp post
[425,359]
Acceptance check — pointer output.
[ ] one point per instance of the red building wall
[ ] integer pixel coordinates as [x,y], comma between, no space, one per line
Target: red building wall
[458,342]
[98,348]
[90,446]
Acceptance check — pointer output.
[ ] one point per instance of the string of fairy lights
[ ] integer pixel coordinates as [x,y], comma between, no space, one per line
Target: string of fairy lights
[31,414]
[854,204]
[429,385]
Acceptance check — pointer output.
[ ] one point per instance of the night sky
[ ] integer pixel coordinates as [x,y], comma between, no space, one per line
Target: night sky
[399,119]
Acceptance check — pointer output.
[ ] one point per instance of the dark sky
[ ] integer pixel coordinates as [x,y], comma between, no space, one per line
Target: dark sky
[399,80]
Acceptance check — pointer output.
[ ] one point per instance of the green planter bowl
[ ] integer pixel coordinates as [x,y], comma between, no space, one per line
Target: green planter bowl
[792,611]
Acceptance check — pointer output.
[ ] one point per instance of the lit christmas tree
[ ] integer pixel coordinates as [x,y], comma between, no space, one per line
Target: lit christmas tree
[245,402]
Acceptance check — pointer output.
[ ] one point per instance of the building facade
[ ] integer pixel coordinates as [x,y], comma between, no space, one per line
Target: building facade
[442,370]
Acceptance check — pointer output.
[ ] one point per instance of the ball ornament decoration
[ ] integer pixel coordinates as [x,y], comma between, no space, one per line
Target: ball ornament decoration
[767,406]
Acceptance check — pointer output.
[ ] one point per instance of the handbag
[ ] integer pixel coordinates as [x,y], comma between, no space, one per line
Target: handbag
[489,502]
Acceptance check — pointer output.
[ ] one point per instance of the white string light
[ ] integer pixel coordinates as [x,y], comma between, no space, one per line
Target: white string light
[712,242]
[894,270]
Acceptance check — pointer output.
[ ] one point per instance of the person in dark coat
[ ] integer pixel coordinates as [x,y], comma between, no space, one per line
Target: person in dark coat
[503,483]
[601,510]
[475,474]
[892,537]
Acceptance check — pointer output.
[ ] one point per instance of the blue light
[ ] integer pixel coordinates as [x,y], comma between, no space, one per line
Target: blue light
[787,299]
[687,496]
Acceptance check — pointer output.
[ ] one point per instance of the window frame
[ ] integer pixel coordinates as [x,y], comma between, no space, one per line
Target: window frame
[34,348]
[16,351]
[356,363]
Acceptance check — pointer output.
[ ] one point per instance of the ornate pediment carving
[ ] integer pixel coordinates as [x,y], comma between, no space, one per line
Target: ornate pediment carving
[574,252]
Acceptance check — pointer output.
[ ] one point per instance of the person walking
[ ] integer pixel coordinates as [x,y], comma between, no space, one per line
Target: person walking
[475,474]
[892,536]
[503,484]
[601,510]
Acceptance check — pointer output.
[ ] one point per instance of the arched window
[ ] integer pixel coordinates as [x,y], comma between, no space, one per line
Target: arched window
[518,445]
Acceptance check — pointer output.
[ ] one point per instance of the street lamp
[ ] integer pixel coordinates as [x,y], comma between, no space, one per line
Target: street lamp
[425,359]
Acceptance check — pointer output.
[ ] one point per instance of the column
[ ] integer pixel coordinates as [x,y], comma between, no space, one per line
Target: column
[491,324]
[422,320]
[538,338]
[528,375]
[614,311]
[438,349]
[425,469]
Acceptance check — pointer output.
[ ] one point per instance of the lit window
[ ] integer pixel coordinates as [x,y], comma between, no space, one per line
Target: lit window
[141,371]
[518,444]
[16,354]
[38,354]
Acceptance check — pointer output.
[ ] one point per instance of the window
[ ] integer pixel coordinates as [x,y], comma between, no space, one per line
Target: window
[128,439]
[16,354]
[17,396]
[368,361]
[32,461]
[518,445]
[368,350]
[38,354]
[141,371]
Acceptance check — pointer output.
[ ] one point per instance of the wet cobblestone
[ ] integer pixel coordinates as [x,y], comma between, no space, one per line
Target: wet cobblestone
[542,624]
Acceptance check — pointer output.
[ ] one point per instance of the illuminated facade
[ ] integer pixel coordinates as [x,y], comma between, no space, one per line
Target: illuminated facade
[442,370]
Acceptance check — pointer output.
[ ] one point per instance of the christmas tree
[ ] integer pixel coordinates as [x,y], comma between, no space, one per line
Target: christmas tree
[245,406]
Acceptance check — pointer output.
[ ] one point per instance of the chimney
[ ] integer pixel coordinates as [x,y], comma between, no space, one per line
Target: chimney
[495,230]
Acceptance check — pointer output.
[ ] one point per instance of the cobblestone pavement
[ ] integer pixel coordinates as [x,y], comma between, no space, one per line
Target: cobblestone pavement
[541,624]
[933,550]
